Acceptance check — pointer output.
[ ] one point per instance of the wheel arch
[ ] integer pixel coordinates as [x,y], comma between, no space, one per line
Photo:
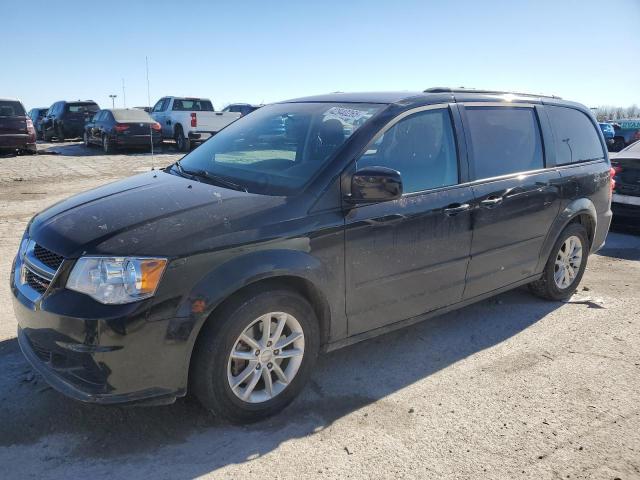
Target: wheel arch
[581,211]
[293,270]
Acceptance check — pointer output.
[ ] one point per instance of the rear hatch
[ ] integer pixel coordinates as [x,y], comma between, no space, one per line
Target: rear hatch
[13,118]
[78,113]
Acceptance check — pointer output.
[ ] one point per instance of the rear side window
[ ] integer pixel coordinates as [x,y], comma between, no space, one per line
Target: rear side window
[192,105]
[504,140]
[576,138]
[421,147]
[11,108]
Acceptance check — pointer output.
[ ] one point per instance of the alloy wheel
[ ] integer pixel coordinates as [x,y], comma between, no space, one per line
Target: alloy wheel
[266,357]
[568,261]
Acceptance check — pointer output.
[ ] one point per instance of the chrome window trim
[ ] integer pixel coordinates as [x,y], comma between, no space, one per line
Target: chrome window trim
[391,123]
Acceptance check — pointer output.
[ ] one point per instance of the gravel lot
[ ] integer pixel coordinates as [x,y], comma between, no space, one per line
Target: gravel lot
[513,387]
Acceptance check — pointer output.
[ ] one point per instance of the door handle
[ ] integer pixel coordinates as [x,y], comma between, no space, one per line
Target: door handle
[456,208]
[491,201]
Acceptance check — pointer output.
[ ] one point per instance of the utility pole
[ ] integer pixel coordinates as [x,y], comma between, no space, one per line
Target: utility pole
[113,100]
[124,96]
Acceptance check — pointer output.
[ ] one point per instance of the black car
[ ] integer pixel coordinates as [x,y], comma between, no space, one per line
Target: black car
[17,134]
[241,108]
[122,128]
[229,271]
[67,119]
[37,115]
[626,192]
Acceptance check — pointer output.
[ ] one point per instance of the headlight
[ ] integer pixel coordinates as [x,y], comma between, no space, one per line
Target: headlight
[115,279]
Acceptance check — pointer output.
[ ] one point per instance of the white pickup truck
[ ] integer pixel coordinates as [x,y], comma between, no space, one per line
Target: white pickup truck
[190,120]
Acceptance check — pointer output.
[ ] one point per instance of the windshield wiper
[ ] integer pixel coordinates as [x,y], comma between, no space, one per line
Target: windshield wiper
[215,179]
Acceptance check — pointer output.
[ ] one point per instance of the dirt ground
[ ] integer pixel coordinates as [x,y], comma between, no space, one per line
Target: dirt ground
[513,387]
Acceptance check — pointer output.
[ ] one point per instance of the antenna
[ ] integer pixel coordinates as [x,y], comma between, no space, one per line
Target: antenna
[146,59]
[124,95]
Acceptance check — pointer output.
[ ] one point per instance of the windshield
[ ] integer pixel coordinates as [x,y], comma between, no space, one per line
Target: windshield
[11,108]
[132,115]
[278,148]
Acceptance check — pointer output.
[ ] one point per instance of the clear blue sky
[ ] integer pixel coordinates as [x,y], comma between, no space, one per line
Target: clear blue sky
[264,51]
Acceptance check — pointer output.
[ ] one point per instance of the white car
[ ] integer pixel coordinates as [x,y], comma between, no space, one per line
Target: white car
[190,120]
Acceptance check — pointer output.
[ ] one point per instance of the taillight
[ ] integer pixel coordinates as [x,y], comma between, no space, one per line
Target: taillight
[121,127]
[194,119]
[156,126]
[30,130]
[614,169]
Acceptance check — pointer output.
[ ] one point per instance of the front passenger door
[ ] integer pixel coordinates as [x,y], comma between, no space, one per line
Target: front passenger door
[409,256]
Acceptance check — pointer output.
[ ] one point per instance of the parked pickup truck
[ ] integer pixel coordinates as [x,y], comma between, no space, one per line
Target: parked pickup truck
[190,120]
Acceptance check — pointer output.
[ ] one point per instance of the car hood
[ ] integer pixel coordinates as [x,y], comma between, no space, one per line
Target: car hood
[152,214]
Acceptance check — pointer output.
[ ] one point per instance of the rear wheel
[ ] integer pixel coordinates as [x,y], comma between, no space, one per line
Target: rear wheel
[255,355]
[565,266]
[182,142]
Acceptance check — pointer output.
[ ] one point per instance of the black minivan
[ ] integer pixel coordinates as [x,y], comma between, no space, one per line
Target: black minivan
[226,273]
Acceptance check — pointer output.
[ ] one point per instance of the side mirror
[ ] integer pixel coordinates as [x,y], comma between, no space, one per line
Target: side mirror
[375,184]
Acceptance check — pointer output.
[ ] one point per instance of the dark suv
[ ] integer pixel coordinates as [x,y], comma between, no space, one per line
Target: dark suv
[228,271]
[67,119]
[17,133]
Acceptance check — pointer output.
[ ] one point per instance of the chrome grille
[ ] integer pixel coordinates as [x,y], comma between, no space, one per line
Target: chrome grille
[38,283]
[50,259]
[38,270]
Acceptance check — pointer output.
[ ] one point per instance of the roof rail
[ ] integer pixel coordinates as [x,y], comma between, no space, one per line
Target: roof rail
[492,92]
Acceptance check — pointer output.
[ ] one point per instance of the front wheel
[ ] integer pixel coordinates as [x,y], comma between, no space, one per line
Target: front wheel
[106,144]
[60,134]
[85,139]
[565,266]
[255,355]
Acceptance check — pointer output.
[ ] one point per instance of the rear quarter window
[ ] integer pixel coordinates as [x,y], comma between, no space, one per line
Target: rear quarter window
[504,140]
[575,136]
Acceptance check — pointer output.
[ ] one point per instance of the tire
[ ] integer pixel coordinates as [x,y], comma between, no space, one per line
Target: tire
[60,134]
[85,140]
[212,368]
[182,142]
[547,286]
[106,144]
[618,144]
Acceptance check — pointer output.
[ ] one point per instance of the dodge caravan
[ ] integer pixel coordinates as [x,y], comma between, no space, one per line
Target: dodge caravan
[226,273]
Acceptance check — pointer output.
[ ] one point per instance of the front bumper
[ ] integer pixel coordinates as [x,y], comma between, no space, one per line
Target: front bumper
[98,353]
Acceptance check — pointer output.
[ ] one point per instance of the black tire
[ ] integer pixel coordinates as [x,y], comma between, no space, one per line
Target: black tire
[107,147]
[60,134]
[208,376]
[182,143]
[85,140]
[546,286]
[46,137]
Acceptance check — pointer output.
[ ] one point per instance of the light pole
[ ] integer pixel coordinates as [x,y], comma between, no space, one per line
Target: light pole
[113,100]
